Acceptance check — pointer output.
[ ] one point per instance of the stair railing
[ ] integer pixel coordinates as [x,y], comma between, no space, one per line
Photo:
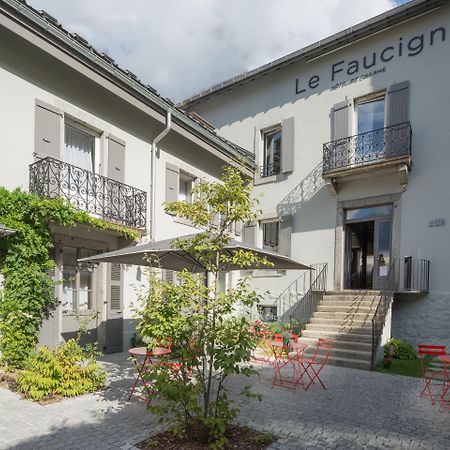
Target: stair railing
[292,294]
[307,305]
[379,317]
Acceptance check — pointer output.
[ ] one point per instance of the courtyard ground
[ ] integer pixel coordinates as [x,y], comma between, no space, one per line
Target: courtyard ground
[360,409]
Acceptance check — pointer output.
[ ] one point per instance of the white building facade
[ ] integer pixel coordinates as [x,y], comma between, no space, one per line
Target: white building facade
[351,137]
[77,126]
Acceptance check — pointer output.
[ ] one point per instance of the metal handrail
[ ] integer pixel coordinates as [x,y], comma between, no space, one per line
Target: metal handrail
[89,191]
[308,304]
[377,145]
[297,287]
[379,317]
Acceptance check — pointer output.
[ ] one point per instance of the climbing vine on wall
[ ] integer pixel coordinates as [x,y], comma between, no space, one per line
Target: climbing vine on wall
[28,290]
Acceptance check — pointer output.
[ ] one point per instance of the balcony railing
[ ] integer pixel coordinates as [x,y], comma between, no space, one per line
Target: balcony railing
[375,146]
[268,170]
[90,192]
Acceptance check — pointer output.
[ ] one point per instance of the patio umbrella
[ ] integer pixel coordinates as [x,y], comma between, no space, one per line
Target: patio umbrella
[161,254]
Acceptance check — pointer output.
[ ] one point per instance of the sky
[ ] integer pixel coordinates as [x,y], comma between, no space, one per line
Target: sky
[181,47]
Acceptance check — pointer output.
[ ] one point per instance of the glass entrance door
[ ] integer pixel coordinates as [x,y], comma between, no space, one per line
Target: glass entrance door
[367,247]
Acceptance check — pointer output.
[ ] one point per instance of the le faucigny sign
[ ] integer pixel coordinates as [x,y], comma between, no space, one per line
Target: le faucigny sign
[346,72]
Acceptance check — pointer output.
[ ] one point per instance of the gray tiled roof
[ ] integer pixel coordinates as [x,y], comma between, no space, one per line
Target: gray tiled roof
[81,48]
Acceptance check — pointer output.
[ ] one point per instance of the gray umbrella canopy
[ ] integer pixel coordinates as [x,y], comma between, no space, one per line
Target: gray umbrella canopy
[161,254]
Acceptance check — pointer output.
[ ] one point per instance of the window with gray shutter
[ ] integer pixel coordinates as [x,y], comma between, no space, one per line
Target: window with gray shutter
[250,234]
[284,246]
[287,145]
[47,131]
[340,121]
[116,159]
[397,103]
[115,287]
[169,276]
[238,228]
[172,183]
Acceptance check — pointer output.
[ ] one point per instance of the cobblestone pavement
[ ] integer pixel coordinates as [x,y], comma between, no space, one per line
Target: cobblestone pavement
[359,410]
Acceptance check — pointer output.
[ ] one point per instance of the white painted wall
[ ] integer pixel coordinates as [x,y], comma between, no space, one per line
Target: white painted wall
[35,75]
[269,100]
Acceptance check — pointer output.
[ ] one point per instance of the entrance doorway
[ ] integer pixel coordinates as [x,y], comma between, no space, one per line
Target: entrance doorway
[367,247]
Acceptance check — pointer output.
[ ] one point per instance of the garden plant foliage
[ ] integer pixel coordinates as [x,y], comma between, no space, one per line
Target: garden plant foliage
[28,290]
[402,349]
[210,342]
[68,371]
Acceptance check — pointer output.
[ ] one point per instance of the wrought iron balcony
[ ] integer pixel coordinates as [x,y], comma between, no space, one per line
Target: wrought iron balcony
[101,196]
[377,146]
[268,170]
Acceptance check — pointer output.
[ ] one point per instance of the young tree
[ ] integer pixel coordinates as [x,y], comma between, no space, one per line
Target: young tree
[210,341]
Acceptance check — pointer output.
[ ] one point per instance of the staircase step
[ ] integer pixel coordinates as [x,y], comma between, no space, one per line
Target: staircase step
[367,300]
[349,362]
[339,343]
[345,308]
[347,321]
[338,328]
[342,353]
[343,315]
[354,292]
[365,337]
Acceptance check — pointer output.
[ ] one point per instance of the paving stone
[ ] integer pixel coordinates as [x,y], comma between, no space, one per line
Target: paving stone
[359,409]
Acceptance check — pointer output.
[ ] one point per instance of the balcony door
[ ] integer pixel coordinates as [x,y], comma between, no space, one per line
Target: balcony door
[370,129]
[368,247]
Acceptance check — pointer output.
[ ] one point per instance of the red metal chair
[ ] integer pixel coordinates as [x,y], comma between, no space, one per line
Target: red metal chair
[317,362]
[433,373]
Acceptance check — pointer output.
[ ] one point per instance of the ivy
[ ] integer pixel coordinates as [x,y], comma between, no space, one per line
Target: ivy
[28,290]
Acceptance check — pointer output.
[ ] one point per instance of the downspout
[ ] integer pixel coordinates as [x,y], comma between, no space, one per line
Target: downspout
[152,174]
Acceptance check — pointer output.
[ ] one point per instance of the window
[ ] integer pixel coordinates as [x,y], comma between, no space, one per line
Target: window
[186,184]
[271,232]
[267,313]
[77,280]
[370,118]
[271,152]
[79,147]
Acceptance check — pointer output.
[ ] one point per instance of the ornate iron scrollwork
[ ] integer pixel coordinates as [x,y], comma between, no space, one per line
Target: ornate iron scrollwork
[378,145]
[90,192]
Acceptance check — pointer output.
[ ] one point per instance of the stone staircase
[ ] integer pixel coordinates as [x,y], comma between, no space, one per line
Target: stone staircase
[346,318]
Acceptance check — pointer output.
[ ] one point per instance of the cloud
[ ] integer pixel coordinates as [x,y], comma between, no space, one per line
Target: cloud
[183,46]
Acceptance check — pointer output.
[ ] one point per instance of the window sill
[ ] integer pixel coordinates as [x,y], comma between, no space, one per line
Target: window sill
[271,179]
[264,273]
[183,221]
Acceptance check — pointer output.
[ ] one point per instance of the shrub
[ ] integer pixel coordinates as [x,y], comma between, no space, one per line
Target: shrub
[66,371]
[402,349]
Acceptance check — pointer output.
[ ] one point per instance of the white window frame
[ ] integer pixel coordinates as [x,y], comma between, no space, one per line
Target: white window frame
[262,149]
[189,179]
[91,131]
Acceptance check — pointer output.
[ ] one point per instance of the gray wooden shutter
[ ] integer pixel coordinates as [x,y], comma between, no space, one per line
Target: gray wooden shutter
[114,319]
[250,234]
[340,121]
[238,228]
[172,183]
[115,288]
[287,145]
[116,159]
[169,276]
[47,131]
[397,103]
[284,239]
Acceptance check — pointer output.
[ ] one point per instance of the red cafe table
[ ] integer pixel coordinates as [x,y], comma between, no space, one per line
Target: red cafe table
[142,359]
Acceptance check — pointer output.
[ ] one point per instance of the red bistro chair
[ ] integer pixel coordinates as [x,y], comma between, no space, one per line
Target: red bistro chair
[316,363]
[431,374]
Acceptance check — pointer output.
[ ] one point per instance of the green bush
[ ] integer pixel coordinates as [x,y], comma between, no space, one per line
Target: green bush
[402,350]
[67,371]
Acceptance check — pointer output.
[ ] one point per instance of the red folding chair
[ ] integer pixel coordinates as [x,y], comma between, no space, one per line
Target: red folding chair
[316,363]
[434,373]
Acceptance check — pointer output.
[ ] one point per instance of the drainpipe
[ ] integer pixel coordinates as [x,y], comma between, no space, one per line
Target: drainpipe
[152,174]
